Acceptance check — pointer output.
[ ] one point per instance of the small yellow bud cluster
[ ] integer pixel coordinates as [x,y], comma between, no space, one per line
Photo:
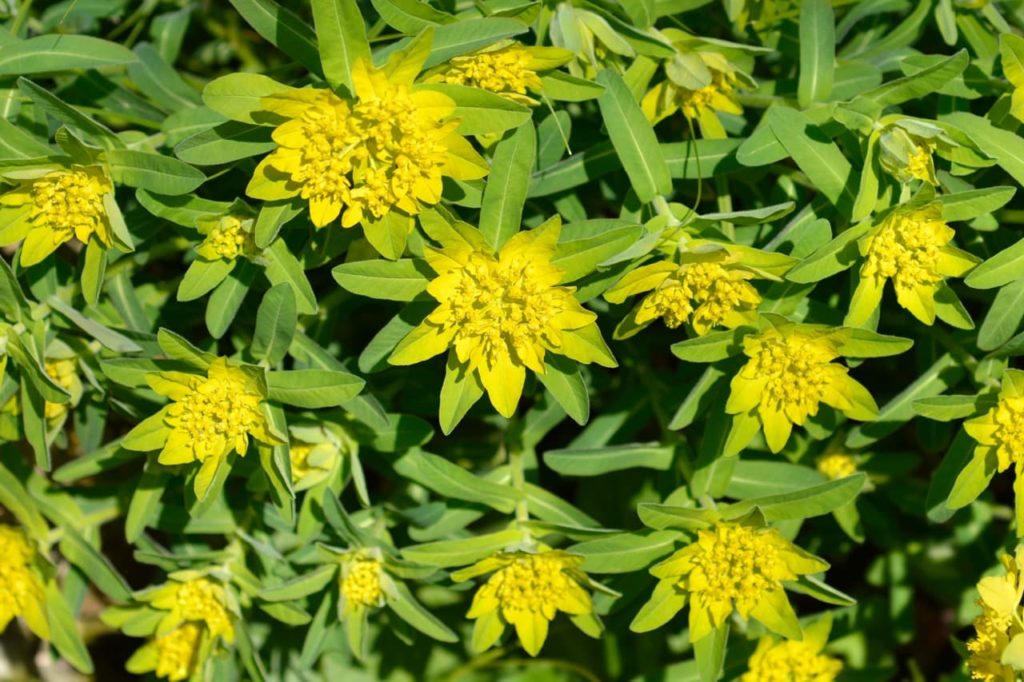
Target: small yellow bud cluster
[176,652]
[837,465]
[704,294]
[499,71]
[794,369]
[62,371]
[361,584]
[21,592]
[532,582]
[790,661]
[999,622]
[739,563]
[907,249]
[228,238]
[203,600]
[69,203]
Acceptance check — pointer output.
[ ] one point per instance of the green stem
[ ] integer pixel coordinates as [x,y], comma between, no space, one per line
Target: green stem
[515,463]
[21,16]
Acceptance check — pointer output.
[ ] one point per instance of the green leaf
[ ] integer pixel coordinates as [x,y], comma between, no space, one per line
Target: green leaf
[625,552]
[854,342]
[467,35]
[342,37]
[20,503]
[275,325]
[709,653]
[405,605]
[64,630]
[111,339]
[562,378]
[283,28]
[90,129]
[802,504]
[761,478]
[999,270]
[95,566]
[63,52]
[935,380]
[301,586]
[918,85]
[481,112]
[596,461]
[239,96]
[459,392]
[410,16]
[837,255]
[400,280]
[447,553]
[93,269]
[283,266]
[633,138]
[1006,147]
[225,143]
[817,51]
[153,172]
[159,81]
[453,481]
[146,506]
[202,277]
[313,388]
[179,348]
[662,516]
[711,347]
[272,217]
[1003,317]
[501,212]
[949,407]
[181,210]
[973,203]
[584,245]
[817,156]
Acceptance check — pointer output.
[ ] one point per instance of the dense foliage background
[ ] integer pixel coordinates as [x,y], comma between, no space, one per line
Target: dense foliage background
[822,122]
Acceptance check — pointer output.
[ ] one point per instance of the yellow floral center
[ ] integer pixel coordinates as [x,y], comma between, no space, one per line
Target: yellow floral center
[228,239]
[62,372]
[500,71]
[795,371]
[19,586]
[372,157]
[531,582]
[919,165]
[907,248]
[1008,417]
[738,564]
[986,649]
[176,652]
[837,465]
[691,102]
[218,412]
[361,584]
[299,455]
[203,600]
[701,293]
[69,203]
[502,306]
[791,662]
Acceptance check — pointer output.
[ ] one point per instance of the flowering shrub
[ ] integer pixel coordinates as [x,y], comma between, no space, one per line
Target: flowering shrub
[435,340]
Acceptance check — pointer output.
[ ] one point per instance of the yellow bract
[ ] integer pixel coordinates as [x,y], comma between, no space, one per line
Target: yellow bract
[385,151]
[21,589]
[999,622]
[210,417]
[507,70]
[527,591]
[735,566]
[55,208]
[789,375]
[361,583]
[501,313]
[837,465]
[911,248]
[790,661]
[701,103]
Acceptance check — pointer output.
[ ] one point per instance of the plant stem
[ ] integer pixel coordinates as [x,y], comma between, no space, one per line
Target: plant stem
[515,463]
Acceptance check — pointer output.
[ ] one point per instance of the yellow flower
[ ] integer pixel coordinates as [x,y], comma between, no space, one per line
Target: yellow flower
[999,622]
[227,237]
[999,434]
[196,600]
[21,589]
[64,373]
[386,151]
[837,465]
[55,208]
[697,98]
[361,586]
[709,288]
[912,248]
[502,312]
[794,661]
[736,567]
[210,417]
[527,590]
[789,375]
[507,69]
